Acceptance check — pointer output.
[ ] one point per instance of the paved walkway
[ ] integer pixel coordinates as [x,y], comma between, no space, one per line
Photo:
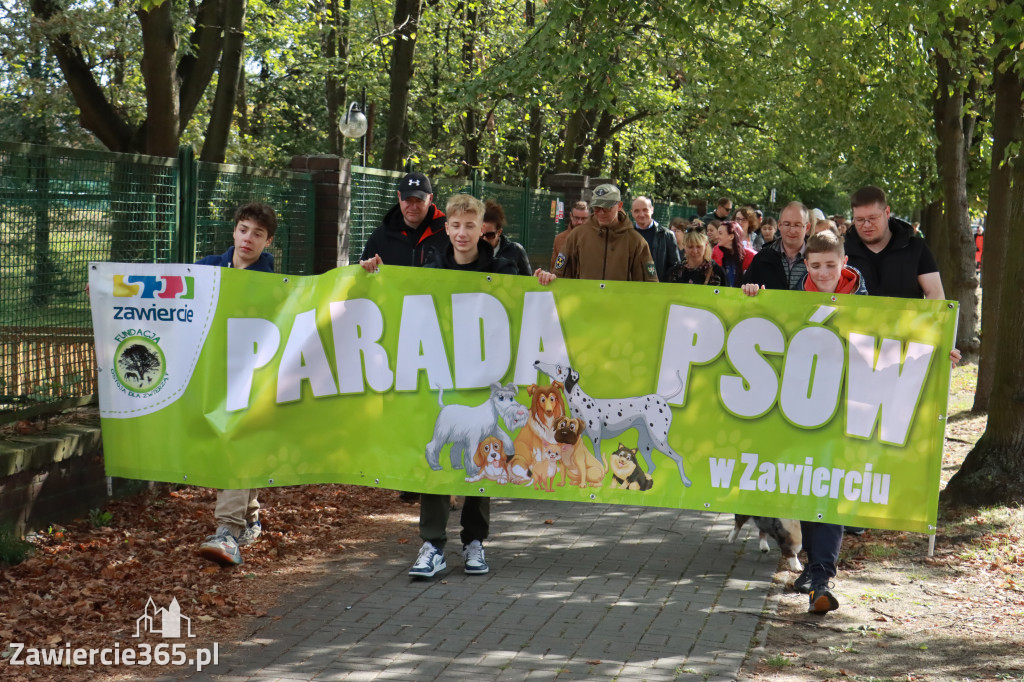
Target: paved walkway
[575,592]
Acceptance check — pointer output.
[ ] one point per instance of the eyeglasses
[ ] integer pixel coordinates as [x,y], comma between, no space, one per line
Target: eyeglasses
[787,225]
[868,219]
[488,235]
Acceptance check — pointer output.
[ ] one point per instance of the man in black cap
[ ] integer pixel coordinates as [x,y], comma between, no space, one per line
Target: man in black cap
[412,232]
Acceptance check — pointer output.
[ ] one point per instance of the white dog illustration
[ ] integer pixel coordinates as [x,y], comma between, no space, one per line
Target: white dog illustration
[466,427]
[650,415]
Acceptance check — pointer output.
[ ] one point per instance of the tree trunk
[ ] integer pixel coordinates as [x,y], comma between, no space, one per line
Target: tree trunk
[993,472]
[336,49]
[570,139]
[601,137]
[159,61]
[536,127]
[196,68]
[406,23]
[218,129]
[1007,128]
[955,245]
[470,118]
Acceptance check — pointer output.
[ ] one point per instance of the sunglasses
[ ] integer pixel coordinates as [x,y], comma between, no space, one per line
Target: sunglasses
[693,229]
[488,235]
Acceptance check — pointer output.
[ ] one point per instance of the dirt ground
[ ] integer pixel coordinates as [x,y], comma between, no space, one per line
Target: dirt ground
[904,615]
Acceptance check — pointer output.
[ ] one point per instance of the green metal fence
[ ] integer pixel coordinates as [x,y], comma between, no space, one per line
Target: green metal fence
[61,208]
[373,193]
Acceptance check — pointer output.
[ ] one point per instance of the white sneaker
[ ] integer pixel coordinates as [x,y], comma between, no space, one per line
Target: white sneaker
[251,534]
[473,553]
[429,563]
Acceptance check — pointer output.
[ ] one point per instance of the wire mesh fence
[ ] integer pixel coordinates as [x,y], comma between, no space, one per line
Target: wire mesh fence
[62,208]
[220,189]
[373,193]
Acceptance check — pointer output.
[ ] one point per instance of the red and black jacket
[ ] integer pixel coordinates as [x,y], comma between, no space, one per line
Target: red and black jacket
[398,244]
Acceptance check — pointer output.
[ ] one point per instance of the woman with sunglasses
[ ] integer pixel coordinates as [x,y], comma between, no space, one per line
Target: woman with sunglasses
[493,227]
[696,266]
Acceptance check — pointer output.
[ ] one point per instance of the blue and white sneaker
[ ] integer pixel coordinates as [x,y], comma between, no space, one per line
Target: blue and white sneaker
[251,534]
[222,548]
[474,556]
[429,563]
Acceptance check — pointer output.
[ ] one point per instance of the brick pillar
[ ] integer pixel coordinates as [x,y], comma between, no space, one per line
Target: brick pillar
[332,199]
[572,185]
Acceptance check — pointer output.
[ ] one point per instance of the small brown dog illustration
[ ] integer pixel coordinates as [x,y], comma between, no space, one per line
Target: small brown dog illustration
[579,465]
[545,467]
[491,460]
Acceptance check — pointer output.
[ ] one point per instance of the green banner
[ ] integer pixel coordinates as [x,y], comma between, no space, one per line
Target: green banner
[787,404]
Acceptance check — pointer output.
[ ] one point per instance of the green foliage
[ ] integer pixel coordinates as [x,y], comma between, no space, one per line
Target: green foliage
[682,100]
[13,548]
[100,517]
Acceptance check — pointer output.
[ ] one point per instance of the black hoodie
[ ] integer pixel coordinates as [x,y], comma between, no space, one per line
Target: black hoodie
[894,270]
[486,261]
[398,244]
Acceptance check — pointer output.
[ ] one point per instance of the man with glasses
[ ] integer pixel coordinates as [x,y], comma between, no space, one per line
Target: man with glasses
[659,240]
[577,216]
[892,260]
[604,247]
[721,212]
[780,264]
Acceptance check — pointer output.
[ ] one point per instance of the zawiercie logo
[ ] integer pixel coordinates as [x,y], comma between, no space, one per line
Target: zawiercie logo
[164,622]
[154,286]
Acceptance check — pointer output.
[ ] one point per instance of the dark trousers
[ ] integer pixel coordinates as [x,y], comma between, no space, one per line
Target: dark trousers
[822,542]
[434,511]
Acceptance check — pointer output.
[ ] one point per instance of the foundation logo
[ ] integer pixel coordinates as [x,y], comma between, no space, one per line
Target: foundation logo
[140,366]
[154,286]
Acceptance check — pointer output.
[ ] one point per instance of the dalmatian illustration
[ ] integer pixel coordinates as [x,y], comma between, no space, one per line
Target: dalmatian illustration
[650,415]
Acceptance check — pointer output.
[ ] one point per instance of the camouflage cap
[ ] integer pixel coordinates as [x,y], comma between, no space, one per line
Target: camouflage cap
[606,196]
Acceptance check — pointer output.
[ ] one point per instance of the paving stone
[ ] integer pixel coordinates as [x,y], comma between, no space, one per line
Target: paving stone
[578,599]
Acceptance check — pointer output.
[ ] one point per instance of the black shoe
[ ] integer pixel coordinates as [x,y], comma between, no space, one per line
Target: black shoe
[802,584]
[408,497]
[822,600]
[853,530]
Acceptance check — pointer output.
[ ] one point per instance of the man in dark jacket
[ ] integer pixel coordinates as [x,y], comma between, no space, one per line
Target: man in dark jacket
[893,261]
[605,247]
[721,213]
[660,241]
[780,264]
[412,232]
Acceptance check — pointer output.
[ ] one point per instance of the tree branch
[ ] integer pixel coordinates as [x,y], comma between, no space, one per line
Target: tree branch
[97,115]
[195,70]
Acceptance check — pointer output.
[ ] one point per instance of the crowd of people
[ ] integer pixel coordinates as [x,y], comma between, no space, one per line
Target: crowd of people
[803,250]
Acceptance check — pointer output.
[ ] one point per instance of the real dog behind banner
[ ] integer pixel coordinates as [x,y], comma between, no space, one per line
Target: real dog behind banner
[789,404]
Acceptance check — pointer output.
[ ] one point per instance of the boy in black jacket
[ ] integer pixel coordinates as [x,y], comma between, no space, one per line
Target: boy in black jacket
[467,252]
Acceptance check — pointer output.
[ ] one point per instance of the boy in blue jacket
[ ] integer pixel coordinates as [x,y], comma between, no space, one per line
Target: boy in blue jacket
[238,511]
